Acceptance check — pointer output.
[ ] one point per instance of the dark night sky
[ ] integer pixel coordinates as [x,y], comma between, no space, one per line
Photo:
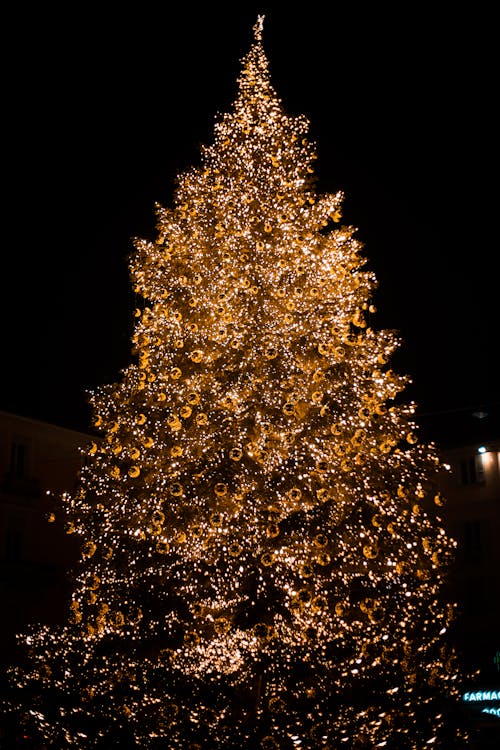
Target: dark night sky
[102,109]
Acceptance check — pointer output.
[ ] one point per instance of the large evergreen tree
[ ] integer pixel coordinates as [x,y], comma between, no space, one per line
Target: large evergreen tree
[261,561]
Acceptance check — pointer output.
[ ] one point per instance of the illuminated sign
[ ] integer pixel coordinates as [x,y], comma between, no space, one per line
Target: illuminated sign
[484,696]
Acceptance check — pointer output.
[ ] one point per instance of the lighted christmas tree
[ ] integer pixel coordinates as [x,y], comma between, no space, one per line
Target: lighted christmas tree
[260,565]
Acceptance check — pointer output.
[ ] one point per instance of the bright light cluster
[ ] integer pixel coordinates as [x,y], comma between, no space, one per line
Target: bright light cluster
[260,564]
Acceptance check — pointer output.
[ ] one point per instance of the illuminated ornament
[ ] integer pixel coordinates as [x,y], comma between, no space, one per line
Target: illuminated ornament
[162,547]
[323,559]
[156,529]
[134,471]
[324,349]
[89,549]
[196,356]
[69,528]
[51,517]
[75,617]
[377,615]
[235,549]
[175,373]
[176,489]
[411,438]
[289,408]
[339,609]
[322,466]
[273,530]
[319,603]
[176,451]
[135,453]
[178,343]
[438,500]
[201,419]
[267,559]
[93,449]
[235,454]
[93,582]
[221,625]
[161,397]
[306,571]
[294,494]
[174,423]
[98,421]
[271,353]
[358,320]
[376,520]
[216,520]
[118,620]
[370,551]
[364,412]
[220,489]
[180,537]
[385,446]
[147,442]
[320,540]
[191,639]
[117,449]
[141,419]
[115,472]
[197,609]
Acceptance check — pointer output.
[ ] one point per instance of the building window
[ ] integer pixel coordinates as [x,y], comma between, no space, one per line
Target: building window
[472,541]
[472,470]
[19,459]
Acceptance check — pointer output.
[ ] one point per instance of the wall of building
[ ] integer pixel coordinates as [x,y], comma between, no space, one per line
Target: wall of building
[36,556]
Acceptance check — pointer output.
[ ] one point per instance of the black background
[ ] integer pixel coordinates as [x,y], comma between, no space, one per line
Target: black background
[104,105]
